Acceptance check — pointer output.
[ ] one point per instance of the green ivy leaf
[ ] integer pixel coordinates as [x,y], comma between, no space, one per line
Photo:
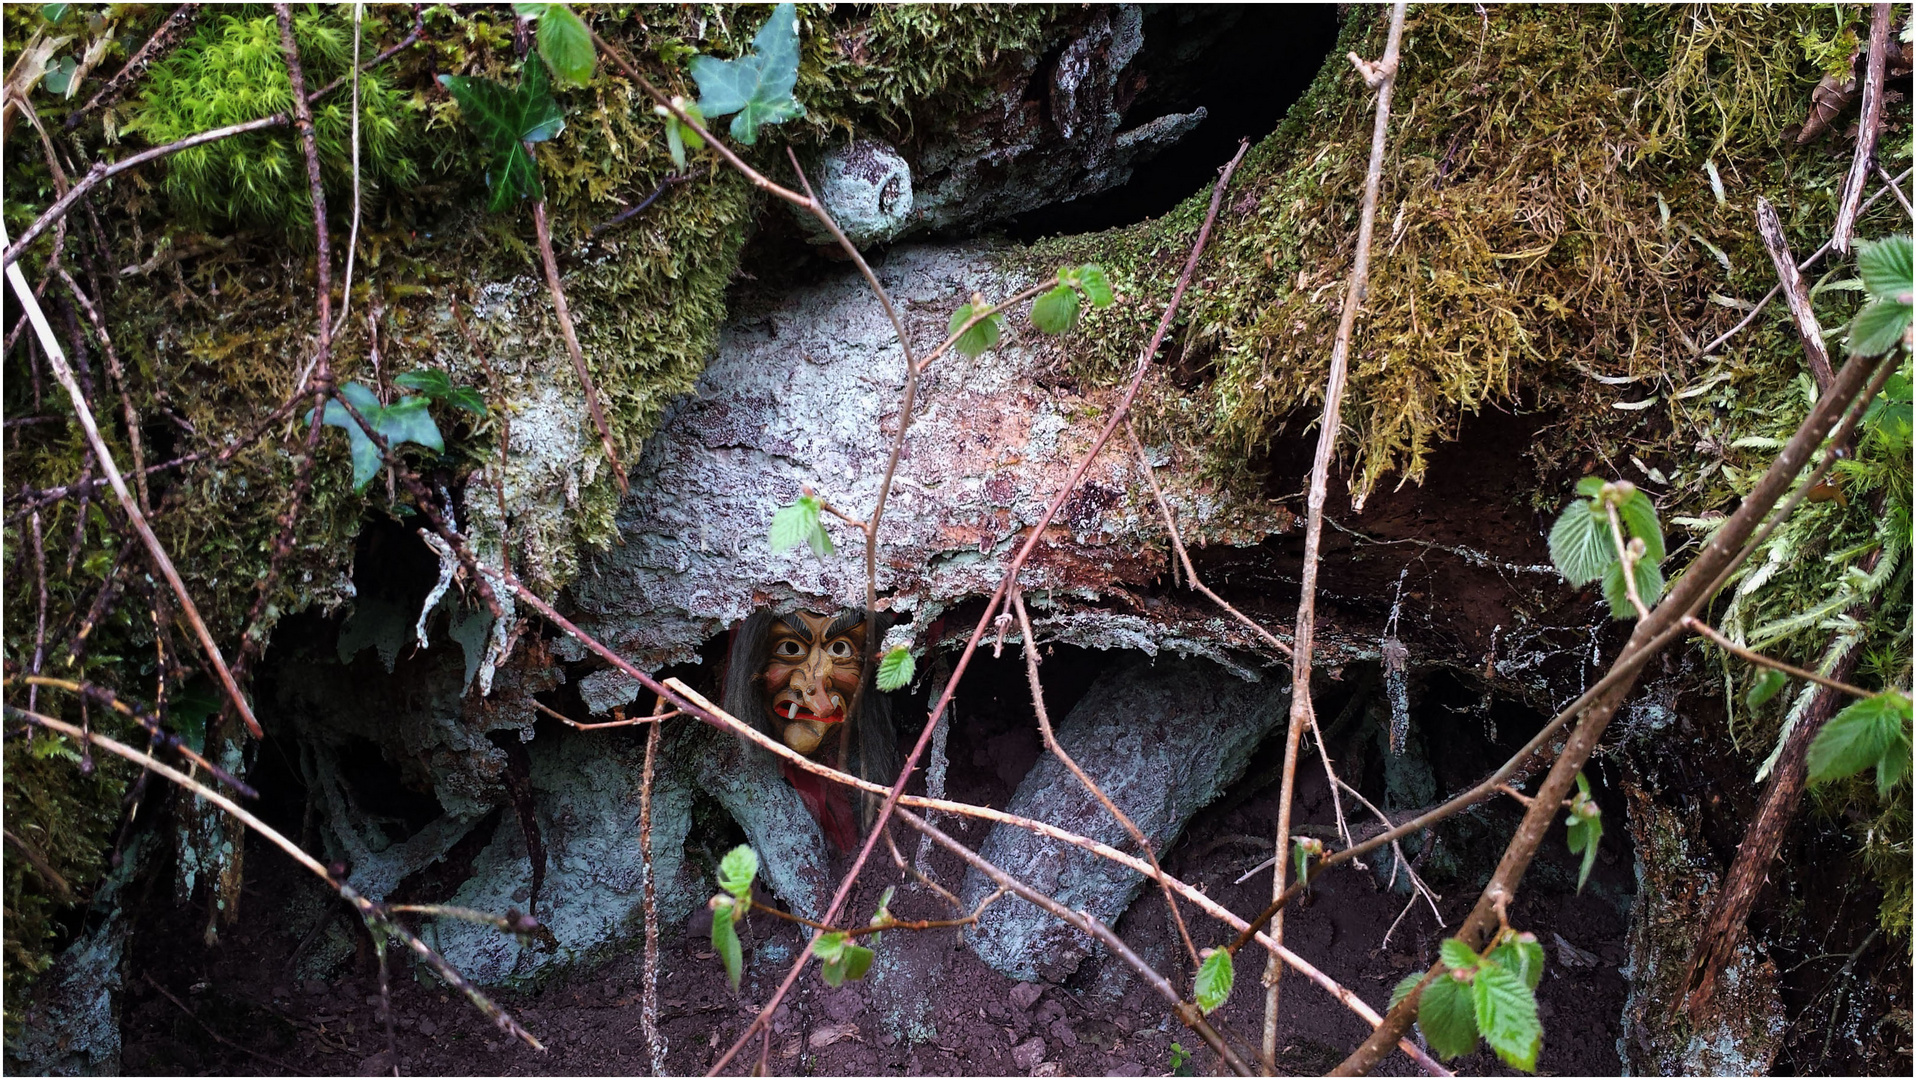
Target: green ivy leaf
[756,86]
[1875,330]
[405,420]
[1765,687]
[1447,1017]
[1639,517]
[436,385]
[1889,412]
[1580,544]
[736,871]
[1458,956]
[799,524]
[725,940]
[895,670]
[53,13]
[1507,1016]
[1214,980]
[1649,587]
[565,44]
[1520,953]
[507,120]
[983,335]
[1885,266]
[1056,310]
[1873,731]
[1097,287]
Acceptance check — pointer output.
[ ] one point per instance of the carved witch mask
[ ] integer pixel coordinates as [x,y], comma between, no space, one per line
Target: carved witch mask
[811,674]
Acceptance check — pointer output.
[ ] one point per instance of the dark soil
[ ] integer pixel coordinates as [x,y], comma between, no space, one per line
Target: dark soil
[929,1006]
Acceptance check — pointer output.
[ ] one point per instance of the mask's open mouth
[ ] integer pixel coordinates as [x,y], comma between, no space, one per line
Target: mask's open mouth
[791,711]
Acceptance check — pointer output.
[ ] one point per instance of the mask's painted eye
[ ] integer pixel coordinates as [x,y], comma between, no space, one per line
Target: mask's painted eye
[841,648]
[789,648]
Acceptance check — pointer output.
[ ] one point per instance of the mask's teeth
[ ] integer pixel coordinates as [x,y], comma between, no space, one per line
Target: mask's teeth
[791,711]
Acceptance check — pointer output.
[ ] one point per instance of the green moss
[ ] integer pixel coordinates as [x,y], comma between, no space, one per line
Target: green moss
[232,69]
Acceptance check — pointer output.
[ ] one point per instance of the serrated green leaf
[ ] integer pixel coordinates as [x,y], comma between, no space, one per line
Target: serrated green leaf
[566,46]
[725,943]
[983,335]
[1097,287]
[1447,1017]
[851,962]
[1878,327]
[1889,411]
[1522,954]
[1861,736]
[1300,860]
[1458,956]
[831,947]
[1885,265]
[1639,517]
[1590,486]
[895,670]
[1055,311]
[756,86]
[1507,1016]
[1403,988]
[1649,587]
[1214,979]
[1580,544]
[1765,687]
[797,523]
[736,871]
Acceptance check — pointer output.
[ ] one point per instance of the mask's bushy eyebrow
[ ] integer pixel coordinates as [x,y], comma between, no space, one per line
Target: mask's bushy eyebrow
[844,622]
[796,624]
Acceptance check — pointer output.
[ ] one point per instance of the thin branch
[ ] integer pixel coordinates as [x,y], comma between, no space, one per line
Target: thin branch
[1868,128]
[1382,77]
[1795,292]
[1705,574]
[1051,744]
[649,983]
[56,359]
[1895,189]
[158,735]
[572,344]
[1081,921]
[368,910]
[1691,622]
[103,171]
[1814,258]
[162,40]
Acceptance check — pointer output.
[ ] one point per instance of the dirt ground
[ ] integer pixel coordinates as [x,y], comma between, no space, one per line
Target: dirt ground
[929,1007]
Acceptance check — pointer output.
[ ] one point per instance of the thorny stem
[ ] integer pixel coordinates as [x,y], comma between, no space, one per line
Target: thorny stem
[1185,1012]
[1051,744]
[572,344]
[368,910]
[1382,77]
[1691,622]
[56,359]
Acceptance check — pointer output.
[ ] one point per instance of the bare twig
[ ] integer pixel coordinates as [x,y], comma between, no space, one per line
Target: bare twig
[1895,189]
[135,442]
[56,359]
[1705,574]
[1184,1011]
[1381,77]
[572,344]
[40,626]
[649,981]
[1814,258]
[162,40]
[1051,744]
[1868,128]
[1691,622]
[1797,294]
[102,171]
[159,736]
[371,912]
